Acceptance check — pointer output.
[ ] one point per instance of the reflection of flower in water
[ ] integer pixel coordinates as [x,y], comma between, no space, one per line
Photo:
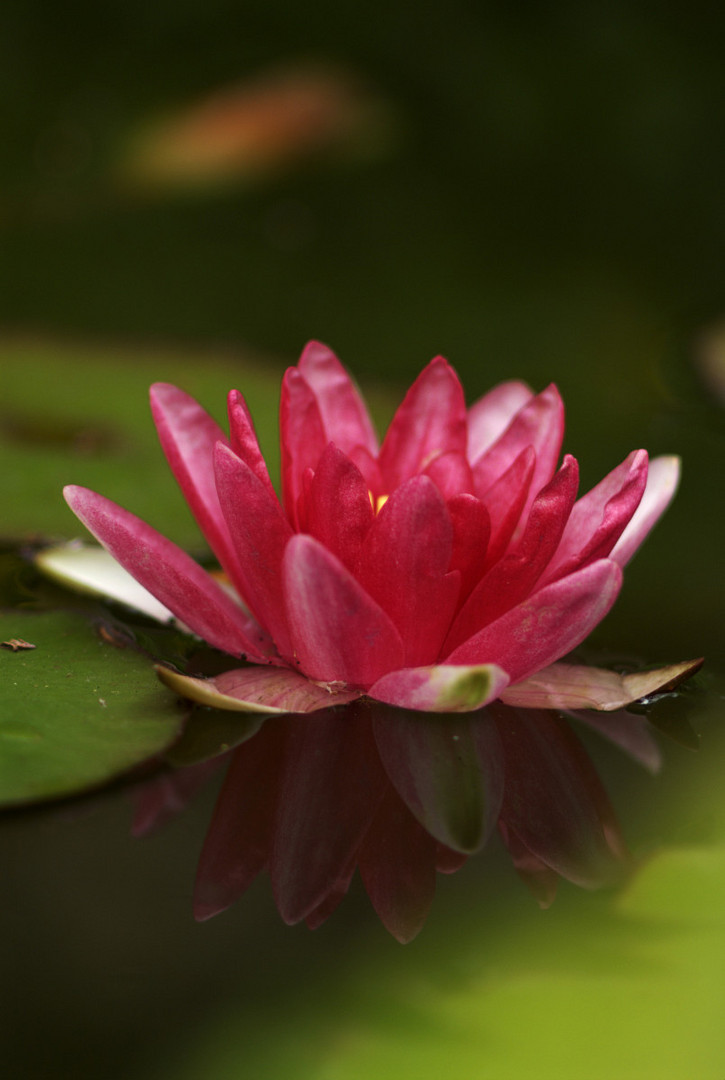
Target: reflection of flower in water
[398,797]
[449,569]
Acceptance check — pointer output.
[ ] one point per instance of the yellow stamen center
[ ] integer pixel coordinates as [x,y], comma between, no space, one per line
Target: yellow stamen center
[377,502]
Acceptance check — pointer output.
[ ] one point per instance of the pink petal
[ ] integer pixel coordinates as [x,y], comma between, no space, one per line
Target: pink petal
[662,481]
[430,421]
[243,438]
[554,802]
[570,686]
[397,866]
[489,417]
[404,567]
[471,530]
[451,474]
[337,507]
[260,532]
[256,690]
[239,838]
[170,575]
[188,436]
[448,771]
[599,518]
[512,579]
[338,631]
[539,424]
[302,436]
[331,786]
[344,415]
[368,466]
[442,688]
[548,625]
[504,502]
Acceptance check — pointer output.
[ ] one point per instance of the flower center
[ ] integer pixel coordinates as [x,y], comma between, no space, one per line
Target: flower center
[377,501]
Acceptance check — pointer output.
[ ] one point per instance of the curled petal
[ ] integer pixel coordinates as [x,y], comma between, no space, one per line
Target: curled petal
[448,771]
[540,424]
[504,502]
[243,437]
[489,417]
[260,532]
[514,577]
[171,575]
[256,690]
[188,436]
[338,631]
[441,688]
[548,625]
[662,480]
[302,436]
[598,519]
[343,412]
[568,686]
[430,421]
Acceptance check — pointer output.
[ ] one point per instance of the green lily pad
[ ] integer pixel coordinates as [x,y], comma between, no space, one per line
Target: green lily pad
[75,710]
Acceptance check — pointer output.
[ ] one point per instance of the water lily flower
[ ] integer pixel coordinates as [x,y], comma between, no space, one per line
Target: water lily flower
[438,572]
[446,570]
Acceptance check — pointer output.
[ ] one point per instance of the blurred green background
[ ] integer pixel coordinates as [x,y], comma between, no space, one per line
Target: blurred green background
[190,193]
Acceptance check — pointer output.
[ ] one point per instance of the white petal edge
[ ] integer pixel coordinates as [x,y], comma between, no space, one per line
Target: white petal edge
[89,568]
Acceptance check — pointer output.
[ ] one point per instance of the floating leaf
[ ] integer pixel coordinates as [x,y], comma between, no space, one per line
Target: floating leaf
[76,710]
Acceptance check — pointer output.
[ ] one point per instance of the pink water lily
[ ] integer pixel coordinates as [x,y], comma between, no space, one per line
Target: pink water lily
[447,571]
[437,572]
